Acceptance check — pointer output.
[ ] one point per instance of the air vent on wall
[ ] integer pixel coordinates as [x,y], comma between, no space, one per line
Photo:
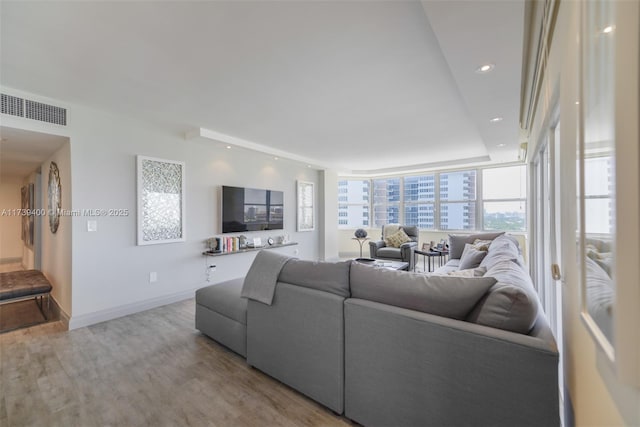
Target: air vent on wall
[20,107]
[12,105]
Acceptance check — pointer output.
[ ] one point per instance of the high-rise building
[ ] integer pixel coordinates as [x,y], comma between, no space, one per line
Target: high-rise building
[353,203]
[458,195]
[419,201]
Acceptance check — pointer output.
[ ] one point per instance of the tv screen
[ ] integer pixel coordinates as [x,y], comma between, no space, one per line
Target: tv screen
[250,209]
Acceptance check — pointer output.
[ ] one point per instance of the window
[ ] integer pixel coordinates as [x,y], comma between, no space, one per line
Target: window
[419,201]
[386,201]
[598,190]
[504,192]
[458,200]
[353,203]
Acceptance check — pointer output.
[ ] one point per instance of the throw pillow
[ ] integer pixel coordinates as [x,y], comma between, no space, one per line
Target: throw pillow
[482,245]
[452,297]
[397,239]
[457,241]
[471,272]
[471,257]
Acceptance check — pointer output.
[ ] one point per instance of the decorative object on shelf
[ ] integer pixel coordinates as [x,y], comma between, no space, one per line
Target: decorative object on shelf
[243,241]
[161,201]
[305,194]
[361,233]
[270,241]
[55,197]
[213,244]
[248,248]
[426,247]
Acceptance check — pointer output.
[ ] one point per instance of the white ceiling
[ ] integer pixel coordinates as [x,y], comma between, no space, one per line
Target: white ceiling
[22,152]
[354,85]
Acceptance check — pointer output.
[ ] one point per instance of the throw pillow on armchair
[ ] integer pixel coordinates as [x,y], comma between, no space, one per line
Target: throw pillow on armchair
[397,239]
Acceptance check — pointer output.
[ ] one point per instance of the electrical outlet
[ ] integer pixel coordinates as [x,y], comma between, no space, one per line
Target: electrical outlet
[153,277]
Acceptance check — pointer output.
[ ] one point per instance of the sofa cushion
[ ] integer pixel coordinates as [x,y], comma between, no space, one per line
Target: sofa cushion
[457,241]
[224,298]
[600,296]
[503,248]
[388,252]
[397,239]
[446,296]
[512,303]
[324,276]
[471,257]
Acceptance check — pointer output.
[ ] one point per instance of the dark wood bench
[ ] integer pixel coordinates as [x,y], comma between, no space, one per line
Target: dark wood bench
[22,285]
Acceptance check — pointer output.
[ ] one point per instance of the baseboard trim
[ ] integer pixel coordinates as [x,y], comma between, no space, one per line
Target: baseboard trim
[88,319]
[11,260]
[57,312]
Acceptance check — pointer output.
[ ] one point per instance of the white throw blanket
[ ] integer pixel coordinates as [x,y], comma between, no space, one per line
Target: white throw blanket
[260,282]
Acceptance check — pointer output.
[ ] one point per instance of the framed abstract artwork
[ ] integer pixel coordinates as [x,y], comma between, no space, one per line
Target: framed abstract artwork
[161,201]
[305,196]
[27,205]
[55,197]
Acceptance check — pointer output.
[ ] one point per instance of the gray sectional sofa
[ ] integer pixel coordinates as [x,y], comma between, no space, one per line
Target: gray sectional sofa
[388,347]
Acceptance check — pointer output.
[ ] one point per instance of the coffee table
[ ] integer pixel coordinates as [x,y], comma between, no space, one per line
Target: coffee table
[384,263]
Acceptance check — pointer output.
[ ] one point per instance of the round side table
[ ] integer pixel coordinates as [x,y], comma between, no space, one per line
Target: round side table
[361,241]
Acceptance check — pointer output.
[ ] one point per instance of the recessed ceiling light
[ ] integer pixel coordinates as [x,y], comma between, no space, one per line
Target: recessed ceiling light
[496,119]
[609,29]
[275,158]
[577,102]
[502,145]
[308,166]
[485,68]
[228,147]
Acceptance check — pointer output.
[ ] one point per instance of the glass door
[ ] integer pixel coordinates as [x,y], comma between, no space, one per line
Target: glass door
[545,262]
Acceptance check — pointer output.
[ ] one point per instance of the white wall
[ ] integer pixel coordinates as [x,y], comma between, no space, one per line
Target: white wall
[10,225]
[329,246]
[110,274]
[109,271]
[598,397]
[56,251]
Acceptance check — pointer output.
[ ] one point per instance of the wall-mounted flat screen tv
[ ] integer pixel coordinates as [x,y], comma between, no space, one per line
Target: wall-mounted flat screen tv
[251,209]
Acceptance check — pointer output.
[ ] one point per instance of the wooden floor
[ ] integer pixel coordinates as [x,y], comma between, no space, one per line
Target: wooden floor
[151,368]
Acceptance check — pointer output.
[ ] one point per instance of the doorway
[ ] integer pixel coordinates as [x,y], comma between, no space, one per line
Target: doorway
[23,200]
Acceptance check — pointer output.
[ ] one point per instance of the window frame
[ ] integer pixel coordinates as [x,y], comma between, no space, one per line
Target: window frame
[438,202]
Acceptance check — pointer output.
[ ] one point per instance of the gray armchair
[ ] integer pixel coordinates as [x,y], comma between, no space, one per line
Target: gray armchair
[379,250]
